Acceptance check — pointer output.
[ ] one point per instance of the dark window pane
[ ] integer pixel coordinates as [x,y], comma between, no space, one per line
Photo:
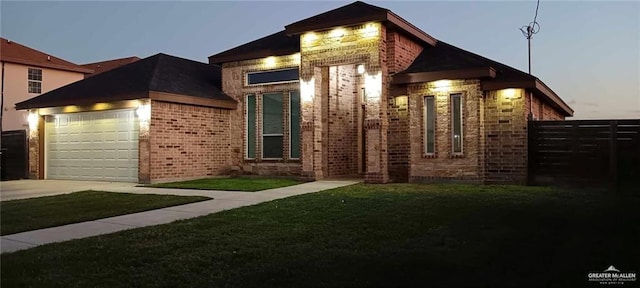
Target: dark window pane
[272,113]
[35,87]
[272,147]
[294,134]
[251,126]
[273,76]
[35,74]
[457,122]
[430,123]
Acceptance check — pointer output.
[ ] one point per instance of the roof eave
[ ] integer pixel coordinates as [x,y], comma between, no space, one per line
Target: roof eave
[420,77]
[295,28]
[410,28]
[78,69]
[232,57]
[193,100]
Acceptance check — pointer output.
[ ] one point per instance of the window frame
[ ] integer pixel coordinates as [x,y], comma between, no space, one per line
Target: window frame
[451,102]
[425,115]
[246,80]
[34,76]
[262,134]
[246,125]
[299,123]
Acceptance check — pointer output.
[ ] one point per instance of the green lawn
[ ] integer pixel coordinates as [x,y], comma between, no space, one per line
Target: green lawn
[247,184]
[36,213]
[359,236]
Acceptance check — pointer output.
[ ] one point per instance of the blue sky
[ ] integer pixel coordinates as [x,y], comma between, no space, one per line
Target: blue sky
[587,52]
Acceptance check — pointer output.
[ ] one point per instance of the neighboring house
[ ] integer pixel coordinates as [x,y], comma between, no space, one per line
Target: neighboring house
[27,73]
[353,92]
[102,66]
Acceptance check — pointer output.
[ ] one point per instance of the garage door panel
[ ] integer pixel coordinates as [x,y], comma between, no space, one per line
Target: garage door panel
[92,146]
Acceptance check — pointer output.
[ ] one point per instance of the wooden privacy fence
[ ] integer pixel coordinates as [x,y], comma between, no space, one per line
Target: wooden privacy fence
[585,153]
[14,153]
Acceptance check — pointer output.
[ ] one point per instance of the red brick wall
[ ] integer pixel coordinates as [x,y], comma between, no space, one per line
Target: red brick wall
[542,111]
[187,142]
[506,137]
[343,115]
[445,165]
[401,51]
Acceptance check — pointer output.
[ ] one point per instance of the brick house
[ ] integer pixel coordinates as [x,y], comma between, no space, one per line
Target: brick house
[353,92]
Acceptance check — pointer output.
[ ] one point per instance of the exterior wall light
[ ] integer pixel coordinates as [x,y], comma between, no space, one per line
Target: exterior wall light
[144,111]
[373,85]
[309,38]
[508,93]
[270,62]
[442,85]
[33,119]
[360,69]
[370,30]
[337,33]
[307,90]
[296,58]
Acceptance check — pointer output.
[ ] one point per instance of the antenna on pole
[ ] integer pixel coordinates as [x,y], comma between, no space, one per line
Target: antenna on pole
[529,30]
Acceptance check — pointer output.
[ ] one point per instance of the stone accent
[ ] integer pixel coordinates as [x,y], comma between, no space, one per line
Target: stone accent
[506,137]
[36,151]
[445,165]
[187,142]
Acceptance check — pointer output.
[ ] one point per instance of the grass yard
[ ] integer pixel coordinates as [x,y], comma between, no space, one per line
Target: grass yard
[246,184]
[43,212]
[359,236]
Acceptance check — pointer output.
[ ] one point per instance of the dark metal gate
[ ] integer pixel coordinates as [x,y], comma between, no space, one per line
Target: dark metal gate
[14,155]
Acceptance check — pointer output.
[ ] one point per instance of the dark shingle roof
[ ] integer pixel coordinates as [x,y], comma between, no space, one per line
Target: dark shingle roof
[276,44]
[443,56]
[161,73]
[354,13]
[103,66]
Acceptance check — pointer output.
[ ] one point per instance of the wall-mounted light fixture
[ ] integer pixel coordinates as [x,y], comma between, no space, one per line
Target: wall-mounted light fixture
[442,85]
[508,93]
[369,30]
[270,62]
[33,118]
[337,33]
[373,85]
[309,37]
[307,90]
[360,69]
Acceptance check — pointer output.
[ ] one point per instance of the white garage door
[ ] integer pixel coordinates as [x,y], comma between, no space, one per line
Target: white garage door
[92,146]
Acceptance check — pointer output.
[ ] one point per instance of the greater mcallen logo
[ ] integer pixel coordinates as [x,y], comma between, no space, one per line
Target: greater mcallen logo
[612,276]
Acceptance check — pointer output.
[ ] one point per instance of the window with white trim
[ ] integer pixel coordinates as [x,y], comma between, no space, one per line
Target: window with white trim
[250,128]
[456,123]
[272,126]
[429,125]
[35,80]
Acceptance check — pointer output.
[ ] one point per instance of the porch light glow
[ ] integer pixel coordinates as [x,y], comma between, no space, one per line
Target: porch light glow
[337,33]
[373,85]
[270,62]
[307,89]
[33,118]
[508,93]
[360,69]
[144,112]
[369,30]
[308,38]
[296,58]
[442,85]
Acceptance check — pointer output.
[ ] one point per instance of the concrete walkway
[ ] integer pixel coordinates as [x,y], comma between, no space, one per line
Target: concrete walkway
[222,200]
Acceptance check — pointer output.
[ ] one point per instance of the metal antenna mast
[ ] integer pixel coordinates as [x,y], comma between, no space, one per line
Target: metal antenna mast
[529,30]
